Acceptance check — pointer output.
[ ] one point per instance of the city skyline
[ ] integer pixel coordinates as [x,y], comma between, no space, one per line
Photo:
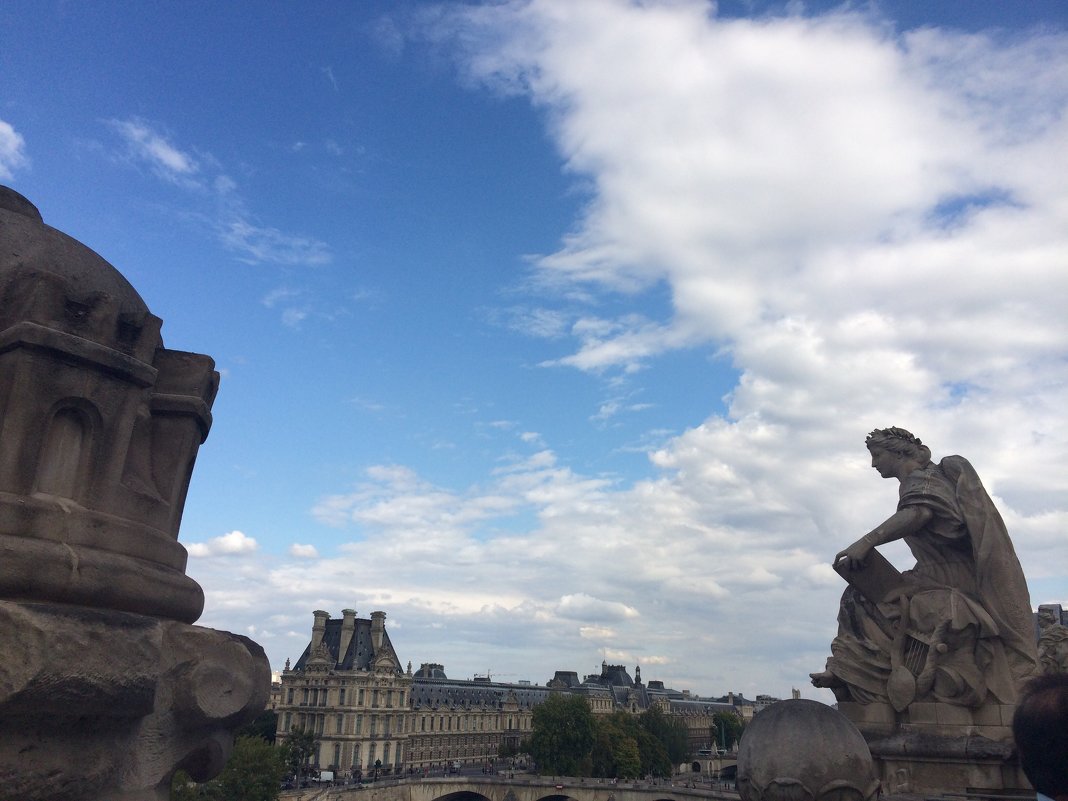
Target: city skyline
[555,329]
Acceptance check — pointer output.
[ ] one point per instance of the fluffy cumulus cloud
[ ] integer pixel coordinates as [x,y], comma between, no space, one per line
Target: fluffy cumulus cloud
[231,544]
[868,225]
[12,151]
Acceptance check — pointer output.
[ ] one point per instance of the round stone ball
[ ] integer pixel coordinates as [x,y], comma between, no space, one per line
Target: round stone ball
[800,750]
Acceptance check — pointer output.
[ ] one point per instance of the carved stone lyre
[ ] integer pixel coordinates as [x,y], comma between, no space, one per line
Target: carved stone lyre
[105,686]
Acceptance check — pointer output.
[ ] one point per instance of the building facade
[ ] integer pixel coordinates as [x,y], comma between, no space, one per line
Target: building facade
[466,721]
[348,688]
[371,716]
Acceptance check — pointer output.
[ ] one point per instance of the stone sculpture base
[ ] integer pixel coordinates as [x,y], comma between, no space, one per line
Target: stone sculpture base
[938,748]
[98,703]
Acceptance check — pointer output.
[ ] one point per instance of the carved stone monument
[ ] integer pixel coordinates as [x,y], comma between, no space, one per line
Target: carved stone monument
[928,663]
[1052,639]
[800,750]
[105,686]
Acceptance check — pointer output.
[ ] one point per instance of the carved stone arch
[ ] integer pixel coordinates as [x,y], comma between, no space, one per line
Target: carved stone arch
[67,449]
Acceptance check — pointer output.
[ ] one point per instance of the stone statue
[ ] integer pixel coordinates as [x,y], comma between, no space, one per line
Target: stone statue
[1052,639]
[106,687]
[957,628]
[1053,649]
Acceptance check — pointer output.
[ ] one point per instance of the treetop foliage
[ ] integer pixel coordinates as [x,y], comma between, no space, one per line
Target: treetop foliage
[568,739]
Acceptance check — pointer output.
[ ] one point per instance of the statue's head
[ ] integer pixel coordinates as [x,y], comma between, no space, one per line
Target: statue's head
[899,441]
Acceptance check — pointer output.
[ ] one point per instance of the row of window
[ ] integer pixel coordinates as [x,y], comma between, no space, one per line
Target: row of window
[320,696]
[378,725]
[382,725]
[470,722]
[358,756]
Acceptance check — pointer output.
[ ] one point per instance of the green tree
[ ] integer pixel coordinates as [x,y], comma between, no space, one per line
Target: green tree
[264,726]
[628,759]
[253,773]
[671,732]
[727,729]
[562,735]
[298,746]
[654,755]
[183,788]
[618,751]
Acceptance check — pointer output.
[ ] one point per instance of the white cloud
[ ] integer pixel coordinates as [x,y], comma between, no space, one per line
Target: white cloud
[328,71]
[12,151]
[279,294]
[584,607]
[303,551]
[233,543]
[263,244]
[870,228]
[294,317]
[147,145]
[227,217]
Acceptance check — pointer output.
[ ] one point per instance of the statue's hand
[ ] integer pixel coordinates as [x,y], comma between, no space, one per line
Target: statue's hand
[855,556]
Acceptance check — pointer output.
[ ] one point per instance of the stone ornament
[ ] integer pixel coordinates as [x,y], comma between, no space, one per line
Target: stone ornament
[1052,639]
[105,686]
[801,750]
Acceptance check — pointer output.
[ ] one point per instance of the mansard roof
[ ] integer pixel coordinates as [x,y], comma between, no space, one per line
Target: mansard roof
[452,693]
[360,655]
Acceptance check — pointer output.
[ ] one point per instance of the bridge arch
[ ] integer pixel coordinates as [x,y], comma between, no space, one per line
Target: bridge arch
[463,795]
[555,797]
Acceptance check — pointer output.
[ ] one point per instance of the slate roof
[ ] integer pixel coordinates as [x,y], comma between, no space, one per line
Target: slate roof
[360,654]
[454,693]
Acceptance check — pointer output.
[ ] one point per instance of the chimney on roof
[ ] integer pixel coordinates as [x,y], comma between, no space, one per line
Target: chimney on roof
[378,628]
[348,626]
[318,629]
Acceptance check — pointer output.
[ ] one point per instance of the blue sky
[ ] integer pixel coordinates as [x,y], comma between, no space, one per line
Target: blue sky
[554,329]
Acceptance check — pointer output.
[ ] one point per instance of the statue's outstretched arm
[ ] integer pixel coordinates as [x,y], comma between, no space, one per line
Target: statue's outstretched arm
[900,524]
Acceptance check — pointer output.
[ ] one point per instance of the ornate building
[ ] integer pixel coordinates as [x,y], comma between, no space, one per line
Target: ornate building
[369,714]
[349,689]
[466,721]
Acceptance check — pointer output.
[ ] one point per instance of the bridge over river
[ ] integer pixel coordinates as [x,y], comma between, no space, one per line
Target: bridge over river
[522,788]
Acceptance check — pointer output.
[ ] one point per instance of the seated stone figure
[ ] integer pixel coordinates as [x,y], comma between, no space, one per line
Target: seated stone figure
[956,628]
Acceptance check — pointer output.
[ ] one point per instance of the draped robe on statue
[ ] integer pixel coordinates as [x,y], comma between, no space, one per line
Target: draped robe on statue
[966,598]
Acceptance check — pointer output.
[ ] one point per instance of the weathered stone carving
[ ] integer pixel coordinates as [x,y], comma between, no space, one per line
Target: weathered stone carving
[801,750]
[105,687]
[1052,639]
[929,662]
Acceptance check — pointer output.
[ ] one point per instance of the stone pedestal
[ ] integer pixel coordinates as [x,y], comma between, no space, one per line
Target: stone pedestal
[932,747]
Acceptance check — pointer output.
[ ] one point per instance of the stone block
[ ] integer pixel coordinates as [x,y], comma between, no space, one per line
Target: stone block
[1007,712]
[923,713]
[994,732]
[987,715]
[868,713]
[948,715]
